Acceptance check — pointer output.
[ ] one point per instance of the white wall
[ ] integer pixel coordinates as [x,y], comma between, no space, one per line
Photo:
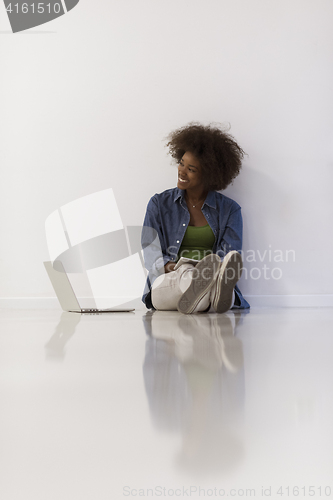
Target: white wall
[86,100]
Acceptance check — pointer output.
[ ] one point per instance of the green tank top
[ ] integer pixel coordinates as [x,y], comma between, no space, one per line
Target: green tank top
[197,242]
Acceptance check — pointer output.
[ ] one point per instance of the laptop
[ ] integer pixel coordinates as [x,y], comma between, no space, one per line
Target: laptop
[66,295]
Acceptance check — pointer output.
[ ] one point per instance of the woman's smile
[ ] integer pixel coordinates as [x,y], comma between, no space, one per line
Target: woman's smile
[189,172]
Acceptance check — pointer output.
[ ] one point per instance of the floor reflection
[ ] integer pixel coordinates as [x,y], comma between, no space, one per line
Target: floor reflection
[194,380]
[65,329]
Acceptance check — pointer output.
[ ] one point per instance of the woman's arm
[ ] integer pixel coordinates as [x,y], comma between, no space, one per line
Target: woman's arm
[153,241]
[232,236]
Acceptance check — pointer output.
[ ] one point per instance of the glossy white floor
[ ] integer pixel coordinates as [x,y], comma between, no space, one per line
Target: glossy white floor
[101,407]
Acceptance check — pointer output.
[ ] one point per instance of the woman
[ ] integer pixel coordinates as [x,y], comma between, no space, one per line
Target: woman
[197,223]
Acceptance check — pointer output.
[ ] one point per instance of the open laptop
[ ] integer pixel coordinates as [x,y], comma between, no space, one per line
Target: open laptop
[66,294]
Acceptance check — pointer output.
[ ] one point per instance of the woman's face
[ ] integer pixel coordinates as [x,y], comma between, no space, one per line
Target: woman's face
[189,172]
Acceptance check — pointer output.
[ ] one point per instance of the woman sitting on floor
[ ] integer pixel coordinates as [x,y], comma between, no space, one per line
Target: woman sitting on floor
[199,229]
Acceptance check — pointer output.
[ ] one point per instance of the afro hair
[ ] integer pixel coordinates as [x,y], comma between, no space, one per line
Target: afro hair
[217,151]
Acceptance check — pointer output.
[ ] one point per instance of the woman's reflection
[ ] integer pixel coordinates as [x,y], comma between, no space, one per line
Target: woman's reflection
[194,378]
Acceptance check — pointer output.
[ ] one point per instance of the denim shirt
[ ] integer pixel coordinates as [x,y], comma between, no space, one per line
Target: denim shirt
[168,216]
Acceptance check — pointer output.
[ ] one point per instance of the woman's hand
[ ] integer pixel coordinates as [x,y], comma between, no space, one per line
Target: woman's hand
[169,267]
